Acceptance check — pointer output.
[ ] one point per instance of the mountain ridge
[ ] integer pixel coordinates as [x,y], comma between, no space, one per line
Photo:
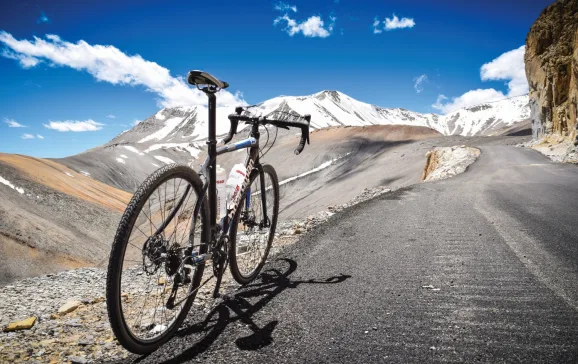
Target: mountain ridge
[380,115]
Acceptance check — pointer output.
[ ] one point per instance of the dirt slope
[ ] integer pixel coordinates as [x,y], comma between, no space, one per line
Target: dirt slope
[52,218]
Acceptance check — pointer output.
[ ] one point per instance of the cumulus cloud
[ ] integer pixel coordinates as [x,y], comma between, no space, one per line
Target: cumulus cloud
[510,67]
[13,123]
[107,63]
[418,83]
[312,27]
[507,67]
[281,6]
[75,126]
[392,24]
[39,136]
[27,136]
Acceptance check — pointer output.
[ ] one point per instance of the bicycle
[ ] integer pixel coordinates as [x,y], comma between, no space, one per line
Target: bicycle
[149,262]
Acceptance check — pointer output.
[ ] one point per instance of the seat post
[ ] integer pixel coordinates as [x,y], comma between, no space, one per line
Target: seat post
[212,142]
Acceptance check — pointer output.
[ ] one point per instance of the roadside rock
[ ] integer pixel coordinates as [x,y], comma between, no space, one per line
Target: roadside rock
[552,70]
[447,162]
[558,148]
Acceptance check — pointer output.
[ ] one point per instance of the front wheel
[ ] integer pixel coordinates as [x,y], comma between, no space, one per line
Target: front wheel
[150,284]
[253,226]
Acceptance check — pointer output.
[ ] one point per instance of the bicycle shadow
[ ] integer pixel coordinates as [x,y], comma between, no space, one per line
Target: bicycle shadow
[271,283]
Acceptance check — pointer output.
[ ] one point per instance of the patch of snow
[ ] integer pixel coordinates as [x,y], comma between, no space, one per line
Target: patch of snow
[159,115]
[69,175]
[132,149]
[181,147]
[314,170]
[85,173]
[7,183]
[123,156]
[156,165]
[162,133]
[164,159]
[120,160]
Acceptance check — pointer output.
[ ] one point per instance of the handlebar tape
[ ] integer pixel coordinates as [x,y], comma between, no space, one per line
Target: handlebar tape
[304,135]
[232,131]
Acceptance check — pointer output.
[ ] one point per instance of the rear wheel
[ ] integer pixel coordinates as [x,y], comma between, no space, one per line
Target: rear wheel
[149,280]
[253,226]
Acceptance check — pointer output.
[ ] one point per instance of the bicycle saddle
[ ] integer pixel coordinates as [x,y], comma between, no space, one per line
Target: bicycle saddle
[203,78]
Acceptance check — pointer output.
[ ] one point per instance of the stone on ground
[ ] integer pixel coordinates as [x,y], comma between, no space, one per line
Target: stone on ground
[68,307]
[21,325]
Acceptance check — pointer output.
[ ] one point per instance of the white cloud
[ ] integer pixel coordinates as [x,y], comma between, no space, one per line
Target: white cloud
[107,63]
[76,126]
[376,29]
[110,116]
[418,83]
[39,136]
[312,27]
[508,66]
[391,24]
[13,123]
[25,61]
[136,122]
[396,23]
[281,6]
[27,136]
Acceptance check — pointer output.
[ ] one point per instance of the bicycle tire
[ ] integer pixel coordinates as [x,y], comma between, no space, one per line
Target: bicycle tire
[238,275]
[113,283]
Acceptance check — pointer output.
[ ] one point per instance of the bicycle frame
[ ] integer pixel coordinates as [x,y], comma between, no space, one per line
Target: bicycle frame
[217,231]
[210,164]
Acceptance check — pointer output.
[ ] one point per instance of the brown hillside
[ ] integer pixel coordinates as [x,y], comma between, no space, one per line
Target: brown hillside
[65,180]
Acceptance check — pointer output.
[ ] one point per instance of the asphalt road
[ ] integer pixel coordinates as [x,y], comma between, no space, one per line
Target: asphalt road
[479,268]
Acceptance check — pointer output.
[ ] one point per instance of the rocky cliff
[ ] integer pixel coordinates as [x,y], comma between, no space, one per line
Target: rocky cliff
[552,70]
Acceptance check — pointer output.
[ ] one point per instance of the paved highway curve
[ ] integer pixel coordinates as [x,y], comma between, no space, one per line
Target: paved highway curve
[482,267]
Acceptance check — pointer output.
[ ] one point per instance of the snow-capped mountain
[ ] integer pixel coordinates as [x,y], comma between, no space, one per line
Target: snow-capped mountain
[182,125]
[179,134]
[333,108]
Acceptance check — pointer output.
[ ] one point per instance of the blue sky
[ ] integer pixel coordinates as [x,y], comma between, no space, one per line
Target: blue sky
[86,76]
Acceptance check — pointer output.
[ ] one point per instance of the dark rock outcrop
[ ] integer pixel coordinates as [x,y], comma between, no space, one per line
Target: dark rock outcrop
[552,70]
